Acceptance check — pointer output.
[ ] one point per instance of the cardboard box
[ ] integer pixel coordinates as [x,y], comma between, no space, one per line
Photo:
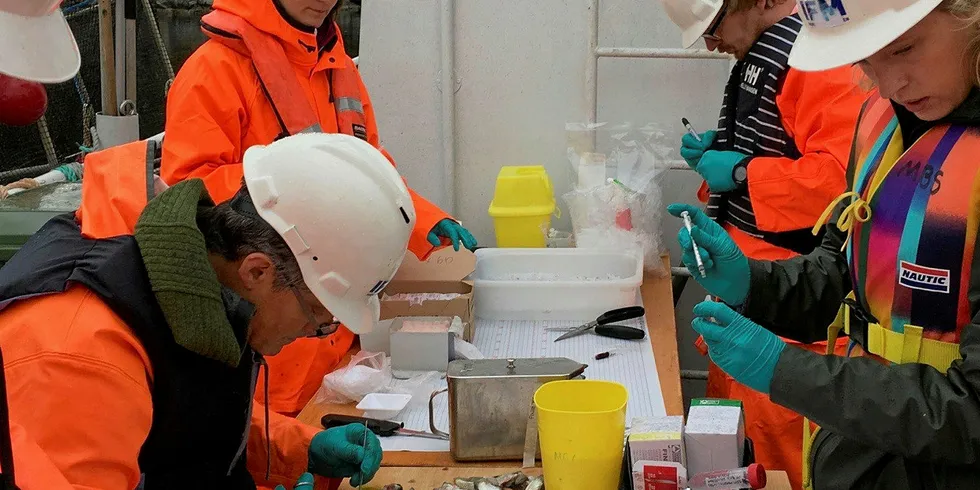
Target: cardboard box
[657,439]
[714,436]
[444,273]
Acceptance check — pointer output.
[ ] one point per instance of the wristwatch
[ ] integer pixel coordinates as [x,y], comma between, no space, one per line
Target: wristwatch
[740,173]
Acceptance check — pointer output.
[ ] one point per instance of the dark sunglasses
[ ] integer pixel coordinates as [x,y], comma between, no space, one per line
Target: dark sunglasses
[709,35]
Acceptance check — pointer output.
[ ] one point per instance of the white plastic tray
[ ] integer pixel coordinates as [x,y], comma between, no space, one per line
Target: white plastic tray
[554,283]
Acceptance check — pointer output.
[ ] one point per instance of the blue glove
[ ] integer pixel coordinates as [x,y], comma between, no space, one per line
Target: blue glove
[726,267]
[692,149]
[454,232]
[717,168]
[305,482]
[740,347]
[338,453]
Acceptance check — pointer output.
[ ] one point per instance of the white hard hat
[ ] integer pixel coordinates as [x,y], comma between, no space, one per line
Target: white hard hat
[36,43]
[343,210]
[694,17]
[841,32]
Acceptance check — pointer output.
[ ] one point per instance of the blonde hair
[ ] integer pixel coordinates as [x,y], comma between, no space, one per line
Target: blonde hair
[969,12]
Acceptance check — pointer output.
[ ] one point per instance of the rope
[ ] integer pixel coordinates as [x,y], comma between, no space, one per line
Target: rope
[158,40]
[42,127]
[88,112]
[857,211]
[71,171]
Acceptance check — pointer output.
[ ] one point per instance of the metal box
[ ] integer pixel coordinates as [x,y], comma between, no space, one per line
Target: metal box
[490,402]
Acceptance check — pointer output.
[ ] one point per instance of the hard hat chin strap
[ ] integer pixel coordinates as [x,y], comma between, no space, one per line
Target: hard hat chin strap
[242,204]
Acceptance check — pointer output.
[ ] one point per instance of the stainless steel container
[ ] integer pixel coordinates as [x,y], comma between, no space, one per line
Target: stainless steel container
[490,402]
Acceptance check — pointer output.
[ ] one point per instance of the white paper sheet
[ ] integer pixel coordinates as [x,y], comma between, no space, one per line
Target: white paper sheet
[632,364]
[416,417]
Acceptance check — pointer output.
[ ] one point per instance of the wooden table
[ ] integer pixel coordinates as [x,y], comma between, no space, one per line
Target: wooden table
[429,478]
[427,470]
[657,297]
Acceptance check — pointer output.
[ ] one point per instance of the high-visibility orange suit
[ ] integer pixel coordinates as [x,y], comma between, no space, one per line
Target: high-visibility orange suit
[796,127]
[100,393]
[236,91]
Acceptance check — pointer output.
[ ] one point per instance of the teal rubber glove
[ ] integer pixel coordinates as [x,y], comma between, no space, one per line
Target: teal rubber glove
[338,453]
[739,346]
[726,267]
[692,149]
[454,232]
[717,168]
[305,482]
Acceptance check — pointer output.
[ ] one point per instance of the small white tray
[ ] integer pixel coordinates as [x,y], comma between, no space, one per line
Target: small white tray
[383,406]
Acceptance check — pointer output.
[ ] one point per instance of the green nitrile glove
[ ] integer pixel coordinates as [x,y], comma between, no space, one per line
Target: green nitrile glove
[726,267]
[692,149]
[454,232]
[338,453]
[718,167]
[305,482]
[739,346]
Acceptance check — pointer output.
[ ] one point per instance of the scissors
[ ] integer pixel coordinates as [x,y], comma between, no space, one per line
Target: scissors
[602,325]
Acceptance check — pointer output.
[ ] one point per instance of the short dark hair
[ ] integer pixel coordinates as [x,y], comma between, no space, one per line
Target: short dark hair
[233,235]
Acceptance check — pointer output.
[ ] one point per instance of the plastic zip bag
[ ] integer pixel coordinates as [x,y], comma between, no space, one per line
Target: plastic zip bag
[367,372]
[624,210]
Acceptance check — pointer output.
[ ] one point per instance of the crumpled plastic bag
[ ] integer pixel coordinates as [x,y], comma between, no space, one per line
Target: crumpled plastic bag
[367,372]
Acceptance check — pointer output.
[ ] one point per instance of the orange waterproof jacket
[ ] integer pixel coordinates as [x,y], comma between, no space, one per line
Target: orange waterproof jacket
[819,111]
[218,107]
[79,380]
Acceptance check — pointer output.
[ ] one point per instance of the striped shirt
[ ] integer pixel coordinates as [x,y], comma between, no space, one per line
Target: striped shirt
[750,122]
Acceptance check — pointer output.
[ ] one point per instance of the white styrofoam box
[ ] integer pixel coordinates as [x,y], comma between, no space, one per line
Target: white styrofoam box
[383,406]
[378,339]
[554,283]
[414,351]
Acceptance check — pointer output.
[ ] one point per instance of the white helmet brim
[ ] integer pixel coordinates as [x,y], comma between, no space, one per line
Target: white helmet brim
[822,47]
[38,48]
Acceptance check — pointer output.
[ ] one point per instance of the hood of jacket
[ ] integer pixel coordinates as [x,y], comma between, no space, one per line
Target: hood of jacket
[299,42]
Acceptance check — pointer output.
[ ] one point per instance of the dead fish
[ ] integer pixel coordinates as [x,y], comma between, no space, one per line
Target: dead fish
[520,481]
[392,486]
[485,485]
[536,483]
[504,480]
[448,486]
[465,484]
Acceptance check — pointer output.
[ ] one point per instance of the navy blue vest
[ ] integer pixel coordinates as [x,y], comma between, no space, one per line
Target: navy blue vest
[201,407]
[750,123]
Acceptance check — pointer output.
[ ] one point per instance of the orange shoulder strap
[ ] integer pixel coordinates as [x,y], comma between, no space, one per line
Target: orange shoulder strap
[117,184]
[273,68]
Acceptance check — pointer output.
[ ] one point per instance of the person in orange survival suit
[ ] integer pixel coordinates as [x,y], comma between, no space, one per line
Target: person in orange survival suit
[37,47]
[271,68]
[134,329]
[777,160]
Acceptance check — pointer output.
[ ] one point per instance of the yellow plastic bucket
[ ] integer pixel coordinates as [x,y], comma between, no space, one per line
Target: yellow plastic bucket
[523,202]
[581,426]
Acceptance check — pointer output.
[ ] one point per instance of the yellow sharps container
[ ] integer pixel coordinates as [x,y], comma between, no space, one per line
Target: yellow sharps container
[523,202]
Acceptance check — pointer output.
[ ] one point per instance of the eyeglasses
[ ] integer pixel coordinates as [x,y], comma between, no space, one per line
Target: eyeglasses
[709,35]
[323,329]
